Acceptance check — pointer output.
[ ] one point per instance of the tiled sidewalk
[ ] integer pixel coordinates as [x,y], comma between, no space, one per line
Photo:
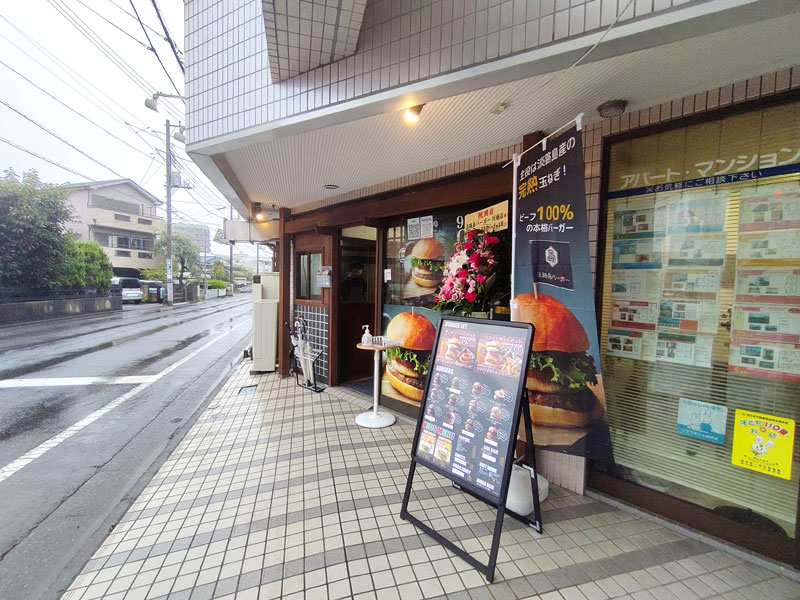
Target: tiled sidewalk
[275,492]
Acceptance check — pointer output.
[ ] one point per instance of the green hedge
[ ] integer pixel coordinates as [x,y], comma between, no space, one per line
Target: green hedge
[216,284]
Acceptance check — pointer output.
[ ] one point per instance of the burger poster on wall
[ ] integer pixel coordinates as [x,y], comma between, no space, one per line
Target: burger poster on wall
[552,289]
[417,250]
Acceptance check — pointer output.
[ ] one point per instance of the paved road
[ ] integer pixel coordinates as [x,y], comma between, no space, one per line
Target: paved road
[89,409]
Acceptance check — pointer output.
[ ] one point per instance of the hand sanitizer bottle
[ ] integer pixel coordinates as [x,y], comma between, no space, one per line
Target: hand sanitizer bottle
[366,339]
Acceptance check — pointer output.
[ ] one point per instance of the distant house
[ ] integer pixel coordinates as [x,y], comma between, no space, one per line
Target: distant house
[197,233]
[122,217]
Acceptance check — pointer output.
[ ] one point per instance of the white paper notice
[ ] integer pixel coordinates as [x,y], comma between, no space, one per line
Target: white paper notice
[763,286]
[412,231]
[696,215]
[707,250]
[770,249]
[769,209]
[700,284]
[702,317]
[685,349]
[426,226]
[635,284]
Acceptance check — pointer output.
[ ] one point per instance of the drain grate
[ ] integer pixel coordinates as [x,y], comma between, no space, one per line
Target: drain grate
[248,389]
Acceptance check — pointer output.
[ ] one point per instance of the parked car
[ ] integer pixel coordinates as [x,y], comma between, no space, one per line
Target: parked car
[131,289]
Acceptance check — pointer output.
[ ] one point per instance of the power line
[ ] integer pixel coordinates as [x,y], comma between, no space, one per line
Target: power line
[134,18]
[89,8]
[44,158]
[59,138]
[67,106]
[169,38]
[147,35]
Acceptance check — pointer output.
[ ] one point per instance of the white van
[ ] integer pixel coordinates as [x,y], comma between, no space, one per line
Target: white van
[131,289]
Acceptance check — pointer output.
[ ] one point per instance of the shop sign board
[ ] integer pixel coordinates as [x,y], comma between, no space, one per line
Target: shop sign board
[473,401]
[491,218]
[552,278]
[702,420]
[763,443]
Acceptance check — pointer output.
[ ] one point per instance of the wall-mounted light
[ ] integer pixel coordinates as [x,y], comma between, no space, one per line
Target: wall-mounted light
[612,108]
[412,113]
[258,214]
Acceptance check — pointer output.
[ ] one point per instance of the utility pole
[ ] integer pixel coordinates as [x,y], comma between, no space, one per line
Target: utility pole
[170,296]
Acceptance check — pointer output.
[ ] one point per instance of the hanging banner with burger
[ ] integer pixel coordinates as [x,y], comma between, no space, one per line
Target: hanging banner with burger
[552,290]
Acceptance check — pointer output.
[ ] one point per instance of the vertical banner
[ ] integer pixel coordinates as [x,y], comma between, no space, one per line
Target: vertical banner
[552,289]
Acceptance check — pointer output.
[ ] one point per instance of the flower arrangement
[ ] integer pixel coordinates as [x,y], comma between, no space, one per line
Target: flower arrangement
[468,275]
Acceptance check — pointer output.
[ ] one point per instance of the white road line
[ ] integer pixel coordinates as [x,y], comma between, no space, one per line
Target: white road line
[27,458]
[68,381]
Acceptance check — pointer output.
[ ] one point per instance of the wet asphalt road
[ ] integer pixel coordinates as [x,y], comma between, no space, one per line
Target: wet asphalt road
[58,503]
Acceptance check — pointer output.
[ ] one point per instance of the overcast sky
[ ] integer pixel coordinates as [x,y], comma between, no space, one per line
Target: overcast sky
[39,41]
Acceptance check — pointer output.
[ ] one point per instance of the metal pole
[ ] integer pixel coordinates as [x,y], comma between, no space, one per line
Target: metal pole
[231,246]
[170,296]
[205,269]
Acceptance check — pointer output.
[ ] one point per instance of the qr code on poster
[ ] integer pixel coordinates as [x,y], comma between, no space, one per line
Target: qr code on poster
[413,230]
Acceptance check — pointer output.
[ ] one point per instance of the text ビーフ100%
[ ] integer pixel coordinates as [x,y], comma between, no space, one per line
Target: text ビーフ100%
[555,212]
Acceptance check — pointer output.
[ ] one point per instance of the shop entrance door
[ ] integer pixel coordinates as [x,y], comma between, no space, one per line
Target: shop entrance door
[357,288]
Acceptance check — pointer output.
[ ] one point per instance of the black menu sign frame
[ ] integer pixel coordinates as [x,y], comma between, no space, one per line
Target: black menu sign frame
[473,401]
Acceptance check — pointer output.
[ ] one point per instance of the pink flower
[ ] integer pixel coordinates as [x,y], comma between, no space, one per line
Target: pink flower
[471,296]
[481,279]
[462,274]
[471,236]
[491,240]
[475,259]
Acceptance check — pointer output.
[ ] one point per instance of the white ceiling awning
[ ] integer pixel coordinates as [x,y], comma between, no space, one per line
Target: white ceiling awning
[367,141]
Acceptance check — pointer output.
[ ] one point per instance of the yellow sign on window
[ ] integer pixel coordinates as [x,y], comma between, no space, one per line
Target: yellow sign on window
[492,218]
[763,443]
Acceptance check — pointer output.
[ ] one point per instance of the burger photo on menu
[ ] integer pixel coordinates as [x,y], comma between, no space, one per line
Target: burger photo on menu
[560,371]
[427,263]
[458,350]
[500,357]
[407,365]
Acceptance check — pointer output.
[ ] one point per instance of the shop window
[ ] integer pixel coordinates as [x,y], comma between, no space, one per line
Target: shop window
[306,286]
[700,336]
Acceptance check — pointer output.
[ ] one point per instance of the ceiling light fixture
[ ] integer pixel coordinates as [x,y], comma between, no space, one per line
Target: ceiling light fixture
[412,113]
[612,108]
[500,108]
[331,186]
[257,212]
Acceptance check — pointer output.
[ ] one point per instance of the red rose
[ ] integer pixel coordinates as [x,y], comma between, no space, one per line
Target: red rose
[475,259]
[463,273]
[471,296]
[469,246]
[491,240]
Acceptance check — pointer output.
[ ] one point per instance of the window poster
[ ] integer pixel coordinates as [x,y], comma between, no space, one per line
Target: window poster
[685,349]
[634,314]
[707,250]
[773,286]
[472,401]
[417,251]
[769,360]
[702,420]
[763,443]
[697,214]
[766,323]
[639,219]
[770,249]
[702,317]
[769,208]
[627,343]
[638,254]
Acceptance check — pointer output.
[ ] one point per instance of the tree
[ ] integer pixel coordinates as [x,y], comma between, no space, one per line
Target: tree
[158,273]
[33,234]
[97,267]
[219,271]
[185,254]
[85,265]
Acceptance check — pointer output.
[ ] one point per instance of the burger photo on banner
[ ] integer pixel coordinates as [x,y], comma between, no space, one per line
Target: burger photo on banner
[552,289]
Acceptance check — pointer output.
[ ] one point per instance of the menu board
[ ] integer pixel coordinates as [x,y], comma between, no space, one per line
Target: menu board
[470,411]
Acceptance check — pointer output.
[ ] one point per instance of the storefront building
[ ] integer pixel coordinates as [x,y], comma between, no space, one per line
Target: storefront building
[693,213]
